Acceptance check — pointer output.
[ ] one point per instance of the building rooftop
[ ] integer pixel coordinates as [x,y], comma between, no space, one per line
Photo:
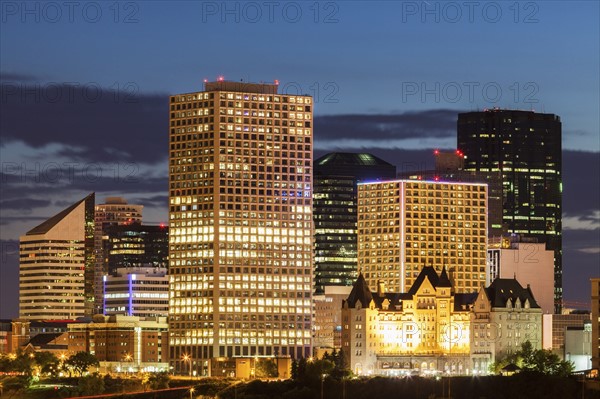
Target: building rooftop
[242,87]
[361,292]
[350,158]
[54,220]
[503,289]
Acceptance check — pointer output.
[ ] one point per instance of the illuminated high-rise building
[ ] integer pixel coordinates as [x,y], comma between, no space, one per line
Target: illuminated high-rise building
[56,267]
[525,147]
[405,225]
[334,211]
[449,166]
[240,225]
[115,211]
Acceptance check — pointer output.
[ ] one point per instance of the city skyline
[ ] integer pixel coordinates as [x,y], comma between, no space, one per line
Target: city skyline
[376,82]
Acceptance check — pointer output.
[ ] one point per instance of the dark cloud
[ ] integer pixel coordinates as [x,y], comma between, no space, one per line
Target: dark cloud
[156,201]
[7,220]
[581,261]
[581,192]
[25,205]
[104,124]
[70,184]
[436,123]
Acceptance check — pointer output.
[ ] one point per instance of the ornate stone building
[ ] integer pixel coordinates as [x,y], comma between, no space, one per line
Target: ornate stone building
[504,316]
[425,330]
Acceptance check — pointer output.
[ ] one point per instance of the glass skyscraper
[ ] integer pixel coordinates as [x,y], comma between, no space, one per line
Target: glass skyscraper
[335,213]
[525,146]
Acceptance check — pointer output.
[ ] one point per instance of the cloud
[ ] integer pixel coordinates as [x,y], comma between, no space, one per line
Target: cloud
[589,221]
[157,201]
[581,191]
[436,123]
[95,124]
[24,204]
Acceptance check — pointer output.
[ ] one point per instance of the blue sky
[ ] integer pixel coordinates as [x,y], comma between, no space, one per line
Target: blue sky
[88,85]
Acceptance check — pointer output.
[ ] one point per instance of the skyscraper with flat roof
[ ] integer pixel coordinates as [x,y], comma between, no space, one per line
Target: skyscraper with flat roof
[405,225]
[240,225]
[525,147]
[56,267]
[334,211]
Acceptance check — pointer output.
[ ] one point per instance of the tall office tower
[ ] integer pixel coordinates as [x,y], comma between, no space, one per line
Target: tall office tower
[240,224]
[135,245]
[57,265]
[405,225]
[334,212]
[449,166]
[526,148]
[115,211]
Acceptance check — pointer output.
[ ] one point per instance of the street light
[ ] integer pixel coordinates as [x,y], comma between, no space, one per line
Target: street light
[322,379]
[188,358]
[191,392]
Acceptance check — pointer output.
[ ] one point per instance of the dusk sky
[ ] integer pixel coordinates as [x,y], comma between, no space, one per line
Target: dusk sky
[85,86]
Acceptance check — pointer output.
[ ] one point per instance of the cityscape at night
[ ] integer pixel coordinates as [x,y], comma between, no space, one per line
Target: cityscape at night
[296,199]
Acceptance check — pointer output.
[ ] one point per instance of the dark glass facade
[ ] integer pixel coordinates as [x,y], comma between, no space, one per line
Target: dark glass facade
[335,214]
[136,245]
[525,147]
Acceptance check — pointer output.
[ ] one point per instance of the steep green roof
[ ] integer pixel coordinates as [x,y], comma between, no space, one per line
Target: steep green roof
[350,158]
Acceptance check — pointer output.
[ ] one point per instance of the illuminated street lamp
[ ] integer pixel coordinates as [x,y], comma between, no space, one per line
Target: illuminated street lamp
[128,358]
[322,379]
[192,390]
[188,358]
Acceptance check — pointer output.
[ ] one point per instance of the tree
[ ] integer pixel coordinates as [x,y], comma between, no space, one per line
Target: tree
[316,369]
[91,384]
[294,369]
[546,362]
[266,368]
[159,380]
[537,360]
[82,361]
[47,362]
[301,372]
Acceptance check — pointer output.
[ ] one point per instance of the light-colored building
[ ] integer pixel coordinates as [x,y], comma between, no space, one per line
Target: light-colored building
[123,343]
[240,224]
[138,291]
[529,262]
[425,329]
[56,268]
[328,319]
[115,211]
[555,327]
[578,346]
[595,322]
[504,316]
[404,225]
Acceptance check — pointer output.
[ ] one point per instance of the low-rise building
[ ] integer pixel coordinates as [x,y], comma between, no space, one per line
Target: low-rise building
[137,291]
[578,346]
[123,343]
[328,319]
